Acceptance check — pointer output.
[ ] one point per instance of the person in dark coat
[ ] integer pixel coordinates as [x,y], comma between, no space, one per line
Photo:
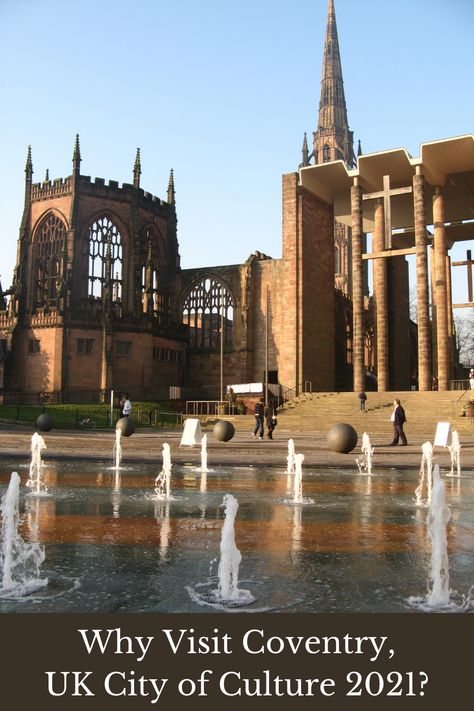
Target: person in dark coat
[270,416]
[362,398]
[259,413]
[398,418]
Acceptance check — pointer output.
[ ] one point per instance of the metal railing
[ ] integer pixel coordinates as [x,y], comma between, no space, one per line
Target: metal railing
[210,408]
[287,394]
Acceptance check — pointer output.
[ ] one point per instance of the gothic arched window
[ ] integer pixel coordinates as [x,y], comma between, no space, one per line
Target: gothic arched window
[105,259]
[155,302]
[49,243]
[326,153]
[208,310]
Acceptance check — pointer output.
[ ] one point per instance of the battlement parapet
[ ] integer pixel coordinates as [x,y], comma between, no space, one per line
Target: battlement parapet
[64,186]
[49,189]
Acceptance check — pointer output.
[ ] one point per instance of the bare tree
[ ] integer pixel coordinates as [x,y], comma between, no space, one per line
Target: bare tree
[464,327]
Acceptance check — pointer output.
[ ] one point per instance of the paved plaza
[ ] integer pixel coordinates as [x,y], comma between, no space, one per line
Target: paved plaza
[146,445]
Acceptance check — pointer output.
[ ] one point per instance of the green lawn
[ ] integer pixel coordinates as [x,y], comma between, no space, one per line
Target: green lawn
[144,414]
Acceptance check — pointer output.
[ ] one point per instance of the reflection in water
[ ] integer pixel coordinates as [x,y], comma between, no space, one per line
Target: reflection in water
[162,515]
[297,529]
[361,546]
[204,453]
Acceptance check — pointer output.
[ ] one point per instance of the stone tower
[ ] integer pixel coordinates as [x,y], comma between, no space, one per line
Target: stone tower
[333,140]
[93,303]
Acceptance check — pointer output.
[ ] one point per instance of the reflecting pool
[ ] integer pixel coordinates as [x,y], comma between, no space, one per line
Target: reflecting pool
[354,544]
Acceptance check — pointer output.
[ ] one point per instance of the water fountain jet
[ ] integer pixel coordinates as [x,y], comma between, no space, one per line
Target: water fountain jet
[163,480]
[426,469]
[35,480]
[365,461]
[20,561]
[117,453]
[455,452]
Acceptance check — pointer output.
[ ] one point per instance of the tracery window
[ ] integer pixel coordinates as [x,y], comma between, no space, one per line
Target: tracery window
[105,259]
[208,311]
[153,300]
[326,153]
[48,246]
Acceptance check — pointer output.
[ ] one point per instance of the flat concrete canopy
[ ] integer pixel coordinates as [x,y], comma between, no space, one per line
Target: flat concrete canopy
[448,163]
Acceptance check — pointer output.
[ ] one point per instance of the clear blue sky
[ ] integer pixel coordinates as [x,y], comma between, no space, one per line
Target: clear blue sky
[221,92]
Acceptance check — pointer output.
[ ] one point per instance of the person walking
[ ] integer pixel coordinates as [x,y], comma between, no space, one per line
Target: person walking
[127,406]
[362,398]
[398,418]
[471,378]
[270,416]
[259,413]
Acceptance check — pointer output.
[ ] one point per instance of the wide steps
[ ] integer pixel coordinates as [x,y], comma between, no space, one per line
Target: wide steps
[423,411]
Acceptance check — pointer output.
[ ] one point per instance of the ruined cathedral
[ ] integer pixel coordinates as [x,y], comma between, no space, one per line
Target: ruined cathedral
[99,302]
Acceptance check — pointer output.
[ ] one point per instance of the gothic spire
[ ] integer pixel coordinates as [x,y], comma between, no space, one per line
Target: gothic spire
[171,192]
[76,157]
[137,170]
[46,177]
[29,164]
[332,139]
[305,152]
[359,149]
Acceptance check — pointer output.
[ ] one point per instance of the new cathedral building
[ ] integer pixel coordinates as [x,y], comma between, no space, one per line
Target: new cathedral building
[99,301]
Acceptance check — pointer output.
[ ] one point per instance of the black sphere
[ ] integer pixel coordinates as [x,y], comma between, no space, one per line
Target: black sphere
[223,430]
[44,423]
[126,425]
[342,438]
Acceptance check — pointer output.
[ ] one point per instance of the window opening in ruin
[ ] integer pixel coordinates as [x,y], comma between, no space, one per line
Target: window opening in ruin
[209,308]
[154,302]
[48,247]
[105,259]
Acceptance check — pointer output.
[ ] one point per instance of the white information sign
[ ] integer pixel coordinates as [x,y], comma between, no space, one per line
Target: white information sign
[192,432]
[442,434]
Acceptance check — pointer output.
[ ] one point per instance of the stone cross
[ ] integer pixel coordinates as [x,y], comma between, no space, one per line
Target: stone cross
[386,194]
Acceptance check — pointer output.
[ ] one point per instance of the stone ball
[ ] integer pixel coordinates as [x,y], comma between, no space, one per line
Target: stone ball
[342,438]
[126,425]
[45,422]
[223,430]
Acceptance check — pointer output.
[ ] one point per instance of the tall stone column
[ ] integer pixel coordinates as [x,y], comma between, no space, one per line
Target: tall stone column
[449,293]
[441,293]
[380,294]
[422,290]
[357,289]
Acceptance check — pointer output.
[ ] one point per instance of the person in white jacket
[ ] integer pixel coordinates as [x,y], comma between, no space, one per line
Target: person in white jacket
[127,406]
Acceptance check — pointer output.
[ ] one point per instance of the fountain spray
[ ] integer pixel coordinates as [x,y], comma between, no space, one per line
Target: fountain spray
[20,561]
[35,481]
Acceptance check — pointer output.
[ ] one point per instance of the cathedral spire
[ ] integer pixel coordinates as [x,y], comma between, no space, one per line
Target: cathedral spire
[137,170]
[29,164]
[76,157]
[171,192]
[332,139]
[304,152]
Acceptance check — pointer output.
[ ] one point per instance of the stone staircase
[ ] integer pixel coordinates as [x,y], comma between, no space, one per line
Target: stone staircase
[319,411]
